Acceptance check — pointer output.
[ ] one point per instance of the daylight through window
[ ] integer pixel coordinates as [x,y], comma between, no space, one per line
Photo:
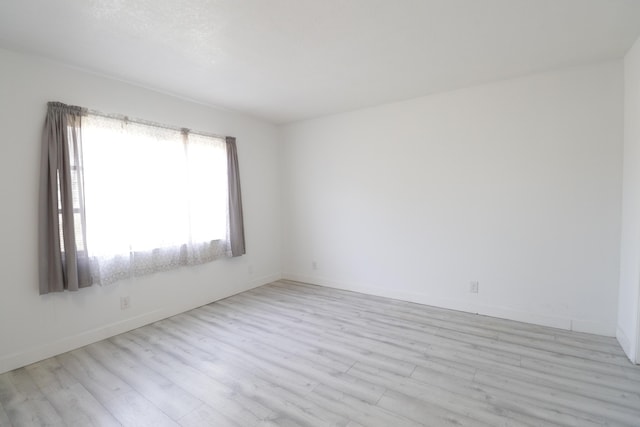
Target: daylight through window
[154,197]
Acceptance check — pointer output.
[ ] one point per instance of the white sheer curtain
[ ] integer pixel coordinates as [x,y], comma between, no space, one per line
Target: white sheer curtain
[156,198]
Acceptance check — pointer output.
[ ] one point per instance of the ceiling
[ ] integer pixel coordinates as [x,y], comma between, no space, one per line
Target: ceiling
[288,60]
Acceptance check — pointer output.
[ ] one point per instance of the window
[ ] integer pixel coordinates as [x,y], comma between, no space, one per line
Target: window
[121,198]
[75,178]
[154,197]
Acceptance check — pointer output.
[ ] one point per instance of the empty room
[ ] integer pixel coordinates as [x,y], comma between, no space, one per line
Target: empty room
[320,213]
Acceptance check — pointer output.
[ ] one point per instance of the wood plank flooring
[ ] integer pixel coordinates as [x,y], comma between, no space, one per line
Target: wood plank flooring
[290,354]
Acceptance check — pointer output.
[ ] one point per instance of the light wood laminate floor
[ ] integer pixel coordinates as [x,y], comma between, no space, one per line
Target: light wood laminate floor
[289,354]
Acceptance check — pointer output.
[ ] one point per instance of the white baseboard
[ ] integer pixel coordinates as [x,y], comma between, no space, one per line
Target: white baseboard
[466,306]
[625,343]
[262,281]
[173,311]
[37,353]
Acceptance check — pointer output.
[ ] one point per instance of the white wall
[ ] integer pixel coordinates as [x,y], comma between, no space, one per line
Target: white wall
[33,327]
[515,184]
[628,332]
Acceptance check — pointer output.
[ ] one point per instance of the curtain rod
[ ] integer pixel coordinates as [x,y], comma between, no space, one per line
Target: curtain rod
[150,123]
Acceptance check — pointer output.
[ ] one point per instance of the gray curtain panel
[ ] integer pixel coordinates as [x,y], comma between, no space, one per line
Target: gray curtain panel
[236,221]
[63,260]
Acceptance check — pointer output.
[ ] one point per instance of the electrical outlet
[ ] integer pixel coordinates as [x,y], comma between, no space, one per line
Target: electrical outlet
[314,265]
[125,303]
[473,287]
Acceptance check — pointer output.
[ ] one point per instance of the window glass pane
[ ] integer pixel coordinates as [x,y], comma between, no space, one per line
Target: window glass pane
[75,188]
[108,170]
[78,230]
[207,164]
[61,232]
[146,188]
